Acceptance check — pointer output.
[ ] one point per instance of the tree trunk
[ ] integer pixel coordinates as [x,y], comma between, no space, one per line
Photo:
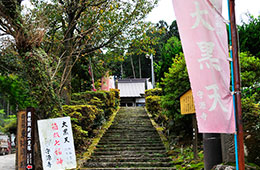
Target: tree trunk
[133,67]
[140,68]
[122,71]
[66,89]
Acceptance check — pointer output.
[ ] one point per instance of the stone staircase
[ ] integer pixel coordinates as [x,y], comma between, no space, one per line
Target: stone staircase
[130,143]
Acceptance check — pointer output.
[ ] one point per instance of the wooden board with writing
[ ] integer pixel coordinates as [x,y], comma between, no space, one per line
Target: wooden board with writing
[187,103]
[21,140]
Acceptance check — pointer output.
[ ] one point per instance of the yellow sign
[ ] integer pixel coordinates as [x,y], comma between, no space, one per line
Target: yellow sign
[187,103]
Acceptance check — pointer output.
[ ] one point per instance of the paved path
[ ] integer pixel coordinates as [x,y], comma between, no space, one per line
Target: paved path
[130,143]
[7,162]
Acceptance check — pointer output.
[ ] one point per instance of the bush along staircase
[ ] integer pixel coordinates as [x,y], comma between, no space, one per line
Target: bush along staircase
[130,143]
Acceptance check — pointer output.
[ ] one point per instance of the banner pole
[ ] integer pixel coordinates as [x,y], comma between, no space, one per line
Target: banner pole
[233,86]
[239,141]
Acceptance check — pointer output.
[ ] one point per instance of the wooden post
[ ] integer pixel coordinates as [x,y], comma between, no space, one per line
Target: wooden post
[21,141]
[25,139]
[30,140]
[195,137]
[236,69]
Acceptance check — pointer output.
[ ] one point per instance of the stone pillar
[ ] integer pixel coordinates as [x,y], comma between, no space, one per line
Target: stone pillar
[228,148]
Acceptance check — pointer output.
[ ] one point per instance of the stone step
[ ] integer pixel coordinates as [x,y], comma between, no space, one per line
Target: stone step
[130,145]
[153,155]
[130,148]
[112,140]
[125,136]
[129,159]
[136,168]
[130,130]
[131,127]
[130,152]
[130,135]
[102,142]
[128,164]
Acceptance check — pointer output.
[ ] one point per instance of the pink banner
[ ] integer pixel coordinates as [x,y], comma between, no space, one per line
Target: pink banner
[204,41]
[105,83]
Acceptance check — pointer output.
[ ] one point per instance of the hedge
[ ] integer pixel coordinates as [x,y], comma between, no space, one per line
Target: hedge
[251,123]
[108,101]
[84,119]
[153,106]
[153,92]
[88,111]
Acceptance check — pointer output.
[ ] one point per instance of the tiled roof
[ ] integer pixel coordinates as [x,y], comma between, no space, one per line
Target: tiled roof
[131,89]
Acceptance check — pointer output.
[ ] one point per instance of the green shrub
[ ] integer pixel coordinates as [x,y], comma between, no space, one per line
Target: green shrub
[117,96]
[152,104]
[86,96]
[251,120]
[153,92]
[108,101]
[84,119]
[88,111]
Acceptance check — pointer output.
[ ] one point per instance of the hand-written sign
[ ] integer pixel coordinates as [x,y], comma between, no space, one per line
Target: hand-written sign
[187,104]
[57,145]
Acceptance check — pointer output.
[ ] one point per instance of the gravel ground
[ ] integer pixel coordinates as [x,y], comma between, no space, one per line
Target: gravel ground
[7,162]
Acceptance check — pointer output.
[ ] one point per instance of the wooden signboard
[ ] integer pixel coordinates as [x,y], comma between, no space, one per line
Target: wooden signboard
[25,139]
[30,127]
[21,140]
[187,104]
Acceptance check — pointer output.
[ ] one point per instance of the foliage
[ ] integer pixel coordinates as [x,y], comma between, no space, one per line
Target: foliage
[15,91]
[10,126]
[168,52]
[174,84]
[47,41]
[154,92]
[153,104]
[250,76]
[137,63]
[84,120]
[183,158]
[7,123]
[249,35]
[251,121]
[250,69]
[108,101]
[117,96]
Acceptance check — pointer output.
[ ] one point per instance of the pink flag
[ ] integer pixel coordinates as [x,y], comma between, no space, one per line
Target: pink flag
[105,83]
[204,41]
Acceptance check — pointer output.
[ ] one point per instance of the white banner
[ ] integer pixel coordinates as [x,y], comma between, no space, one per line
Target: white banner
[57,145]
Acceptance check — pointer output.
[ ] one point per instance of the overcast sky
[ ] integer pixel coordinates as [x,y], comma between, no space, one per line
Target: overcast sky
[164,10]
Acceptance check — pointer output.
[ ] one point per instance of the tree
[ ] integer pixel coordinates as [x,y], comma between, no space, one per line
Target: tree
[176,82]
[50,39]
[87,26]
[24,47]
[250,76]
[168,52]
[249,38]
